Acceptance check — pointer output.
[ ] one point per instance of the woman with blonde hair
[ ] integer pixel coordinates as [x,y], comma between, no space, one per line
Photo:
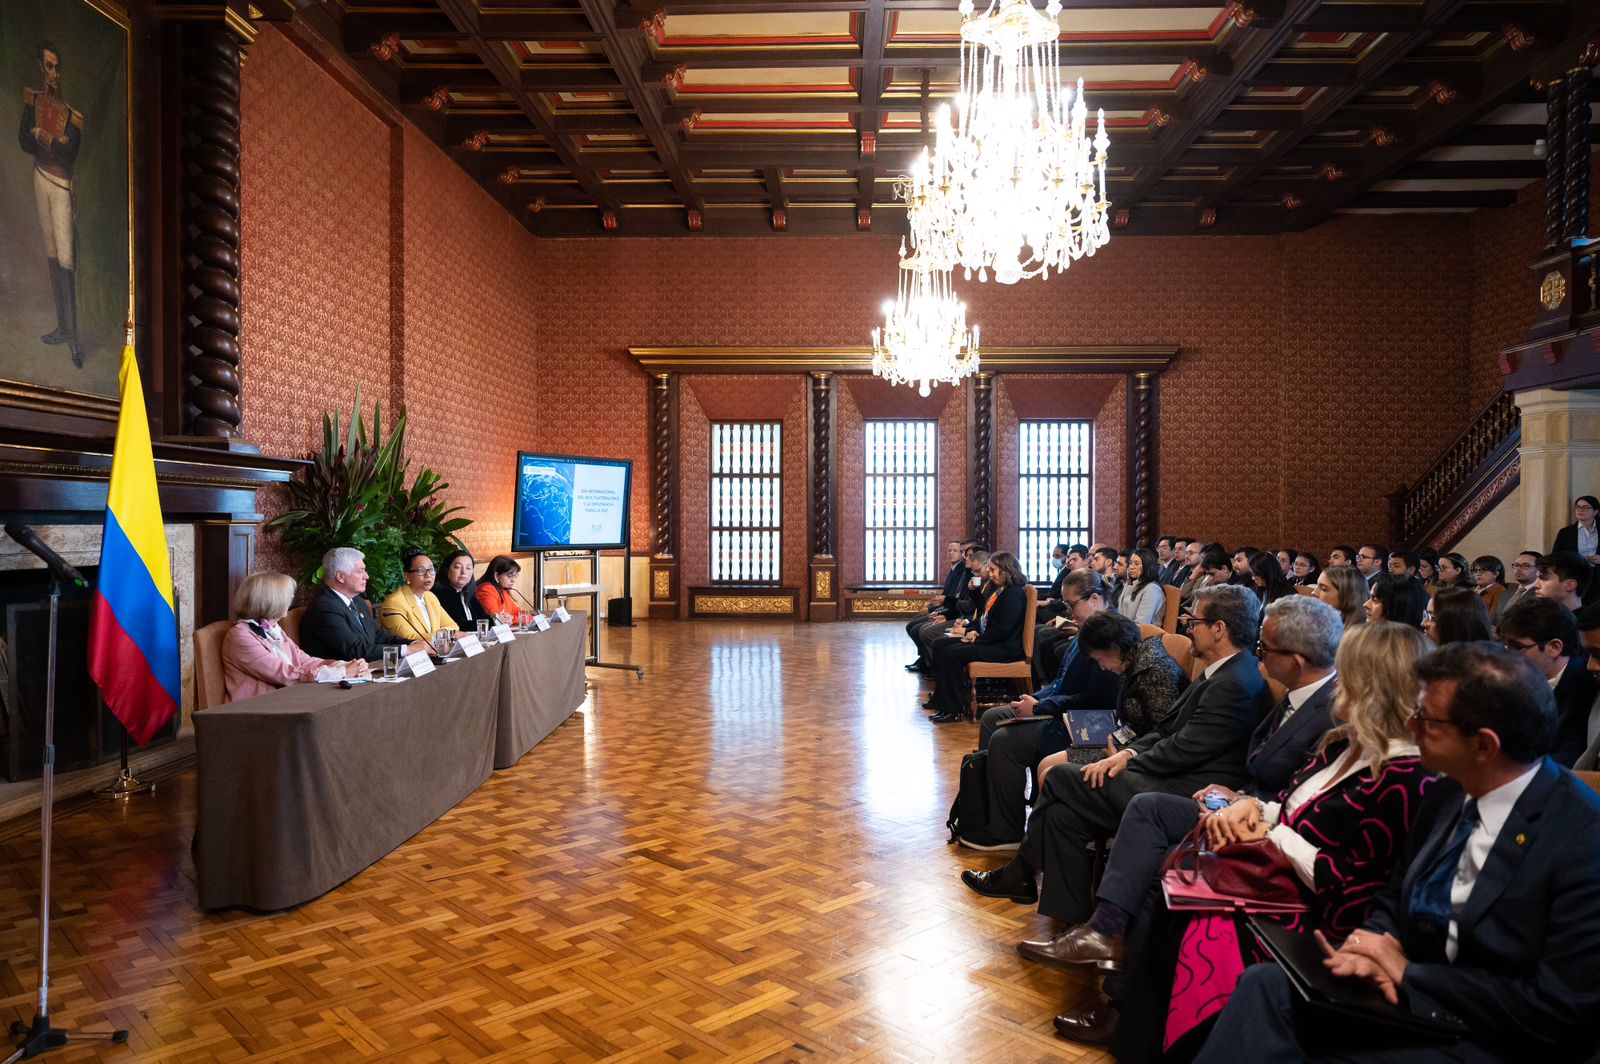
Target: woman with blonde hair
[257,654]
[1345,589]
[1340,825]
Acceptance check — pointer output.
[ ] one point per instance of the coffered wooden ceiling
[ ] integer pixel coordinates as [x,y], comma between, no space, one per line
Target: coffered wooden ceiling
[663,117]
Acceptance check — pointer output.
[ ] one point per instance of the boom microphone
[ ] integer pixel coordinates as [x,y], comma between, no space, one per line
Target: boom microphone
[58,566]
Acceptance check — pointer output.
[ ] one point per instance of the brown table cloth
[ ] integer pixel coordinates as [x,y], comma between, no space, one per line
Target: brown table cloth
[541,685]
[302,788]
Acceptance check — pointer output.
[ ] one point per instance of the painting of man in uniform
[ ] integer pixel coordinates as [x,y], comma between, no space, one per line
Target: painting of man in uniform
[64,220]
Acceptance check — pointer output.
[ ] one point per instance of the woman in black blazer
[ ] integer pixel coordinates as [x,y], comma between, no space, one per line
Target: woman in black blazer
[457,591]
[1585,508]
[996,636]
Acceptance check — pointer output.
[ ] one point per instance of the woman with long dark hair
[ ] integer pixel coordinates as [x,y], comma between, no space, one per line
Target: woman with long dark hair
[1397,598]
[996,636]
[1143,600]
[1270,583]
[1456,615]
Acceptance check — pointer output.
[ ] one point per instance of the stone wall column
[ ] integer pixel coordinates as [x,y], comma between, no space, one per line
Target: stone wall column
[664,496]
[824,575]
[1560,457]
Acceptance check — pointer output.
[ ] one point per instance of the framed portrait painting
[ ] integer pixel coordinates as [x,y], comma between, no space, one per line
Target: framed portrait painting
[66,217]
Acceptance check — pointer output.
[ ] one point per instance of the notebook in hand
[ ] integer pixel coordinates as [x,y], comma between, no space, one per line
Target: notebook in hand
[1301,960]
[1090,727]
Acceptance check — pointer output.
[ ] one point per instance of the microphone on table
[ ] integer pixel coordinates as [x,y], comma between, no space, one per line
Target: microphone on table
[428,639]
[524,599]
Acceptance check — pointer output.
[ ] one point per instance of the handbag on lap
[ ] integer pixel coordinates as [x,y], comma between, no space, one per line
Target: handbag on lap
[1250,872]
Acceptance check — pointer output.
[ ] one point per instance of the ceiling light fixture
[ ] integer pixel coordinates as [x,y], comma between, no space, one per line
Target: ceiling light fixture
[924,338]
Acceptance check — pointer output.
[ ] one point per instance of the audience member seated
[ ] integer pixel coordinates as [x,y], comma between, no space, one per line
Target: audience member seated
[1342,556]
[258,656]
[1404,563]
[413,611]
[1455,615]
[1453,571]
[969,604]
[1151,679]
[1546,633]
[1372,561]
[1306,569]
[1582,537]
[1182,561]
[1051,637]
[997,636]
[1241,574]
[1211,570]
[458,594]
[1048,607]
[1524,570]
[1204,740]
[1345,589]
[496,589]
[1589,640]
[1142,600]
[937,615]
[1401,599]
[1489,582]
[1171,561]
[1495,919]
[1268,579]
[338,622]
[1428,568]
[1563,576]
[1341,821]
[1285,556]
[1015,735]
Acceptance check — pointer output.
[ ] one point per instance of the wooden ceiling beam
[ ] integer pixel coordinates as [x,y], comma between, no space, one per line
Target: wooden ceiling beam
[1505,74]
[498,58]
[1367,74]
[627,53]
[684,104]
[874,30]
[633,14]
[359,30]
[1387,51]
[1074,54]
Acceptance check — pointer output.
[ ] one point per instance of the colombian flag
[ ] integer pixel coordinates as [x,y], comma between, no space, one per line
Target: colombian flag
[133,631]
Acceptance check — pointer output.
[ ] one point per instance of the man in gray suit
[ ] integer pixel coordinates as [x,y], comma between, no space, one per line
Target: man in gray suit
[1523,570]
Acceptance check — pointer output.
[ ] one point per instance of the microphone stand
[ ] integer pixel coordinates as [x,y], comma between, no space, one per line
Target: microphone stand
[39,1037]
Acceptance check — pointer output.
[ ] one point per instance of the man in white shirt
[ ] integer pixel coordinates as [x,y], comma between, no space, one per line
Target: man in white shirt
[1496,922]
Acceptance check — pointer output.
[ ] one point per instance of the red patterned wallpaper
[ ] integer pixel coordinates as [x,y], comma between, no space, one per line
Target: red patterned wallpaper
[1102,399]
[857,399]
[755,397]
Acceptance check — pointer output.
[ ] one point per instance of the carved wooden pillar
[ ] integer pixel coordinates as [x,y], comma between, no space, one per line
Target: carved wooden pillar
[1143,454]
[664,496]
[209,238]
[824,598]
[982,465]
[1575,216]
[1555,160]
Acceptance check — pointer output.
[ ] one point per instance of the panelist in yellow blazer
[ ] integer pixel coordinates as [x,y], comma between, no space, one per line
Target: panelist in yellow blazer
[413,611]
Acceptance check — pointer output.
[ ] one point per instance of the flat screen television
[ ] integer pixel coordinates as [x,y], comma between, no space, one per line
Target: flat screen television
[565,502]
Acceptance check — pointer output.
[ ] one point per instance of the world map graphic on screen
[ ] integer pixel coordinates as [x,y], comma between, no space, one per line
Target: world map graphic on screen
[547,501]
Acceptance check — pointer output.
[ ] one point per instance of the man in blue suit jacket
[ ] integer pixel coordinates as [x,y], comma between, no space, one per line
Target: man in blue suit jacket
[1494,921]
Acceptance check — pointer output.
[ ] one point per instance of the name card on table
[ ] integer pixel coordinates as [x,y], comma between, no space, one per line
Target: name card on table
[469,645]
[561,614]
[503,633]
[418,664]
[541,622]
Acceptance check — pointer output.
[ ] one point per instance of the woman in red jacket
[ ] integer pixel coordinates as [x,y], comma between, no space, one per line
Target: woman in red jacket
[495,589]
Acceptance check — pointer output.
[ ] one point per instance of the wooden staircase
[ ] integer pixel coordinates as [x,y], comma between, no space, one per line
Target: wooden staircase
[1478,469]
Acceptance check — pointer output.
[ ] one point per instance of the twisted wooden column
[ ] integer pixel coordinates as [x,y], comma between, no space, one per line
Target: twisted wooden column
[1142,517]
[1576,214]
[822,465]
[210,231]
[663,458]
[983,459]
[1555,161]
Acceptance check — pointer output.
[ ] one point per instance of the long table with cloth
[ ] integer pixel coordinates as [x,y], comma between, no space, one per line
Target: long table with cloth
[304,787]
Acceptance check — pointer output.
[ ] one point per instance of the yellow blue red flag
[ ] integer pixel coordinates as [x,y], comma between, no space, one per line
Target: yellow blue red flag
[133,629]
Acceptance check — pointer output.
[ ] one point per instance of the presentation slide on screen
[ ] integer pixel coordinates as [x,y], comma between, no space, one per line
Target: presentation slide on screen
[576,504]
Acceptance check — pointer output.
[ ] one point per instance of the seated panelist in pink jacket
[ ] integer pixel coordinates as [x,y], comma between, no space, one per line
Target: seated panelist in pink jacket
[258,656]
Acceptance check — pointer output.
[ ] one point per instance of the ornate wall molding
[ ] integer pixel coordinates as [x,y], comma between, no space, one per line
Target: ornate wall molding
[1107,359]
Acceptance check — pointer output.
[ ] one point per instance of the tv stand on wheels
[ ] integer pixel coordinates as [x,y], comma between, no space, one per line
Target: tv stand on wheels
[591,590]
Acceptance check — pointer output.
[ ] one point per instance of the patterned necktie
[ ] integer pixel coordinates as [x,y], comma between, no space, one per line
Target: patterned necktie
[1430,897]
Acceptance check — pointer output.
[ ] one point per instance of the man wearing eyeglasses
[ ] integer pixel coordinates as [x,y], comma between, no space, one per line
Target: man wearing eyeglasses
[338,623]
[1203,740]
[1546,633]
[937,614]
[1371,560]
[1496,918]
[1523,571]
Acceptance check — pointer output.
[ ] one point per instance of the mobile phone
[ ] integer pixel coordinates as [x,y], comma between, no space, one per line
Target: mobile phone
[1214,801]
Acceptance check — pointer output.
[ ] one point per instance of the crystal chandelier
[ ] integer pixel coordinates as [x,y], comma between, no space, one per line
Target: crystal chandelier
[925,336]
[1014,185]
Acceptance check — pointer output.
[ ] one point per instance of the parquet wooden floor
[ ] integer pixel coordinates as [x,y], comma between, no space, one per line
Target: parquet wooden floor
[740,859]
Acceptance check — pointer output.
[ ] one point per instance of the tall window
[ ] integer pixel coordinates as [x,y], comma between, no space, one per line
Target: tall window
[746,501]
[901,492]
[1054,460]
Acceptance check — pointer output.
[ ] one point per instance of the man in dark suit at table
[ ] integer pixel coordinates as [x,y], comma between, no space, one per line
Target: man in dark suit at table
[339,623]
[1495,919]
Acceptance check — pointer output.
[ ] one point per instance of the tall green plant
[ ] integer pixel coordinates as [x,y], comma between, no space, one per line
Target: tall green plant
[354,494]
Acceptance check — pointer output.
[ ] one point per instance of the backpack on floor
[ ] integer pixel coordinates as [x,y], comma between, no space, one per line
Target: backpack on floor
[970,810]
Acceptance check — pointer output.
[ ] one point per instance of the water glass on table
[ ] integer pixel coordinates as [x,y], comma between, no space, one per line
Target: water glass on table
[483,631]
[391,662]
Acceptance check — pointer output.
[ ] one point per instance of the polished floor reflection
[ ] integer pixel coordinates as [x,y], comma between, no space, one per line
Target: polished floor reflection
[741,858]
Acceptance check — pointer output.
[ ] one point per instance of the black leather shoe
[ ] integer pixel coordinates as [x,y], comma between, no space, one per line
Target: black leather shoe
[1079,944]
[1093,1026]
[946,717]
[997,884]
[917,666]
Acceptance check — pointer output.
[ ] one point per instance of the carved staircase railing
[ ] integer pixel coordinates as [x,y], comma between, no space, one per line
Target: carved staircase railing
[1475,471]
